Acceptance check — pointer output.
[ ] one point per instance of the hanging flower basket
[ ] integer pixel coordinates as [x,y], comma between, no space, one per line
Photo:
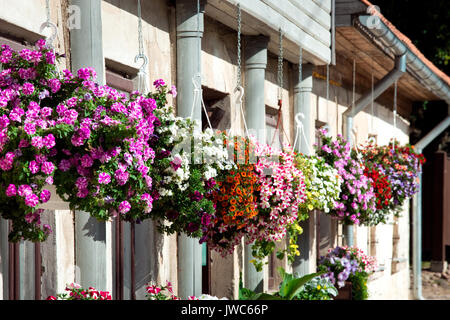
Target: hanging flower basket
[356,204]
[184,170]
[400,166]
[234,198]
[89,140]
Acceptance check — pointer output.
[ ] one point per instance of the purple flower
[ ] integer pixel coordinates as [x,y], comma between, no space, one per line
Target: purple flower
[86,161]
[49,141]
[326,148]
[210,183]
[158,83]
[192,227]
[64,165]
[172,214]
[24,189]
[196,196]
[82,193]
[121,176]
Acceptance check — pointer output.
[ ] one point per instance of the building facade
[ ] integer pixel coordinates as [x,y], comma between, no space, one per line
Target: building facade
[316,56]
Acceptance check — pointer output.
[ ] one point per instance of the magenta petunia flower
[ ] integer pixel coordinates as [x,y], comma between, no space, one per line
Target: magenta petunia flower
[45,195]
[47,167]
[104,178]
[31,200]
[34,167]
[124,207]
[11,191]
[158,83]
[27,88]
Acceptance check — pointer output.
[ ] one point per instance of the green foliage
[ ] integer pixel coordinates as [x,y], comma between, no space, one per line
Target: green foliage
[290,288]
[318,289]
[359,286]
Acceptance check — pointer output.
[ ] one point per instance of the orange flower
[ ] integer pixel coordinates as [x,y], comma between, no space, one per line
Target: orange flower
[241,225]
[233,201]
[232,208]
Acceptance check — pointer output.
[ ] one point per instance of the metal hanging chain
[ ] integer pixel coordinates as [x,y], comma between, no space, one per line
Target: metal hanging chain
[300,65]
[372,102]
[197,83]
[140,37]
[280,65]
[354,88]
[239,61]
[47,8]
[328,84]
[239,87]
[280,87]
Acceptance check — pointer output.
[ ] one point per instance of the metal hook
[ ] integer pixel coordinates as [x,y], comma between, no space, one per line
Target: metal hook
[298,120]
[54,34]
[144,65]
[241,94]
[197,83]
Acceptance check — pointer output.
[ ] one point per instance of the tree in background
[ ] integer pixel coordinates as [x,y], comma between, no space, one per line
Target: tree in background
[427,24]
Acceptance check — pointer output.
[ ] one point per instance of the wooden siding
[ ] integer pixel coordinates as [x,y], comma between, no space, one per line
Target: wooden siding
[305,23]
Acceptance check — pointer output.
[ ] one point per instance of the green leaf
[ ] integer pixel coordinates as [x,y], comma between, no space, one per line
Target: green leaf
[291,286]
[245,294]
[265,296]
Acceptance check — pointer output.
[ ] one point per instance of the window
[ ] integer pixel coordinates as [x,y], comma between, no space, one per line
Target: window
[218,107]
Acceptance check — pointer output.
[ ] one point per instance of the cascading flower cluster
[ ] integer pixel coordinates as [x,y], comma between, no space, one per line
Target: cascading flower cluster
[322,183]
[348,264]
[356,204]
[383,192]
[282,191]
[234,198]
[75,292]
[401,166]
[258,200]
[184,171]
[88,140]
